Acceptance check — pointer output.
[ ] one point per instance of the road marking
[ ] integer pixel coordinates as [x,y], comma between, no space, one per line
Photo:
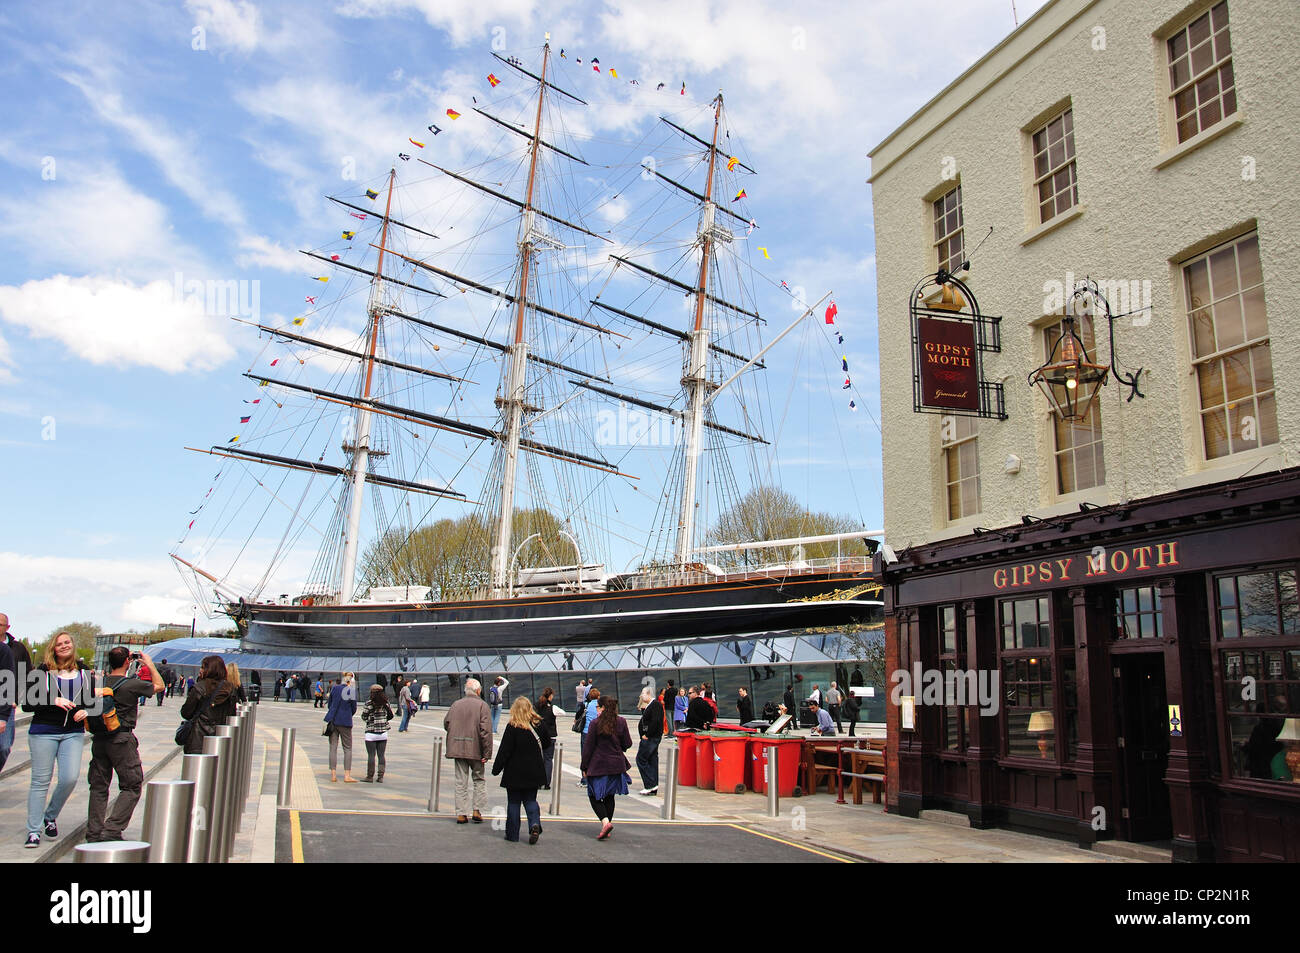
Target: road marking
[295,836]
[790,843]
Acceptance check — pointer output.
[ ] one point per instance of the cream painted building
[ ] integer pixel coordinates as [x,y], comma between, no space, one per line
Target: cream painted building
[1130,202]
[1129,580]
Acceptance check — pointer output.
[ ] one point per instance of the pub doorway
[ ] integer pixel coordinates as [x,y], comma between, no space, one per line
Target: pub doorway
[1142,748]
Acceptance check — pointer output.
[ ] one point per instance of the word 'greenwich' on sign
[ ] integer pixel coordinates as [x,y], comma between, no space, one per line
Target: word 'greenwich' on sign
[1096,564]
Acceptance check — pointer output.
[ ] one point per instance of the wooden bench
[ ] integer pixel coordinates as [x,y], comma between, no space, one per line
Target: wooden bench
[874,781]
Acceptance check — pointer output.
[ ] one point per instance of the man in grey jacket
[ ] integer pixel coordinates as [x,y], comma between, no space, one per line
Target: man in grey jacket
[469,744]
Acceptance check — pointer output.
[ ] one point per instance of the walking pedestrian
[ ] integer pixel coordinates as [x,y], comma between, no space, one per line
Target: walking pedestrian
[469,744]
[167,676]
[680,704]
[496,699]
[405,705]
[521,764]
[549,732]
[834,698]
[424,697]
[852,706]
[666,698]
[8,714]
[343,705]
[115,749]
[279,684]
[210,701]
[699,713]
[56,735]
[318,692]
[591,708]
[745,706]
[651,730]
[233,677]
[376,715]
[788,706]
[605,765]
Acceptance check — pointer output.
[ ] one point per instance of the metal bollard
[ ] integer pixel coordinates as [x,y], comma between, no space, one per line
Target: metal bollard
[112,852]
[435,771]
[238,723]
[668,811]
[252,747]
[202,770]
[773,781]
[167,809]
[557,777]
[220,746]
[230,731]
[285,790]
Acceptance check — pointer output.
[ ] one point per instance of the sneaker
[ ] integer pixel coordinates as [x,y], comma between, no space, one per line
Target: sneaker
[462,819]
[51,829]
[478,818]
[649,791]
[534,833]
[33,840]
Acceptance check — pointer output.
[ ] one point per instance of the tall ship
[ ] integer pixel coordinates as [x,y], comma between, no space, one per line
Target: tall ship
[606,290]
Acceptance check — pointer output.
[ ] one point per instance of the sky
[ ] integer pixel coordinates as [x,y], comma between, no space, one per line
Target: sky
[197,140]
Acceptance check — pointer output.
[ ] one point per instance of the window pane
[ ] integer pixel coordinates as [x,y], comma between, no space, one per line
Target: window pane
[1236,375]
[1253,305]
[1223,272]
[1209,379]
[1248,262]
[1214,426]
[1258,604]
[1267,409]
[1244,423]
[1199,31]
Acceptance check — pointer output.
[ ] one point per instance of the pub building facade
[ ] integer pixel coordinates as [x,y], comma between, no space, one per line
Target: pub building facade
[1090,417]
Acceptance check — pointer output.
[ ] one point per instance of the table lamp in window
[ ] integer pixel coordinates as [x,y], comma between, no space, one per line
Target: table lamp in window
[1290,736]
[1042,724]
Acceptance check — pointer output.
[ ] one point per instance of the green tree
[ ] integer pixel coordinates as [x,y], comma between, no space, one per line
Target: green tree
[768,512]
[83,638]
[454,556]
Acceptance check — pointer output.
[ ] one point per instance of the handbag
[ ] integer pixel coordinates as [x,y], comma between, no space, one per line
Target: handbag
[325,732]
[184,728]
[580,719]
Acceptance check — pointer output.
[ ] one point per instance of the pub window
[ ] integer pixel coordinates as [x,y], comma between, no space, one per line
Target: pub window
[950,660]
[1027,688]
[948,242]
[1080,462]
[1056,186]
[1231,353]
[1137,613]
[1201,82]
[960,439]
[1259,652]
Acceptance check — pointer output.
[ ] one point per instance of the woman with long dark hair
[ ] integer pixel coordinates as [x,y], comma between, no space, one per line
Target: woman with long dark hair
[604,765]
[547,730]
[210,702]
[376,715]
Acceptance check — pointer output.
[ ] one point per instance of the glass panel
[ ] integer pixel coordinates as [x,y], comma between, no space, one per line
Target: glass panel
[1236,375]
[1222,46]
[1215,427]
[1267,420]
[1185,103]
[1227,591]
[1177,45]
[1258,605]
[1186,128]
[970,497]
[1253,306]
[1199,31]
[1229,102]
[1227,323]
[1210,114]
[1244,422]
[1228,622]
[1223,272]
[1038,743]
[1256,752]
[951,721]
[1219,16]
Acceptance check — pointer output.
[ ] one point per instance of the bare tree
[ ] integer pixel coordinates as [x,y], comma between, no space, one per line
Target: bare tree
[768,512]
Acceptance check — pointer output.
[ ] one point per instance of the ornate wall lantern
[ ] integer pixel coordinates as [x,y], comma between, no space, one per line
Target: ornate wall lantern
[1071,378]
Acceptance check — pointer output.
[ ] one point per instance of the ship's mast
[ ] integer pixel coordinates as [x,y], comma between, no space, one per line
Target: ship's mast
[361,440]
[512,399]
[695,380]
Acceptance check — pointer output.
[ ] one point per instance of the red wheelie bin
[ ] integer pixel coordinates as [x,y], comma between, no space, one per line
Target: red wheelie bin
[704,760]
[730,751]
[685,758]
[791,750]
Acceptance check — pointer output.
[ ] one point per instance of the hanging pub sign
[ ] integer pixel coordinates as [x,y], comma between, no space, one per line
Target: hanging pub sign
[949,339]
[948,375]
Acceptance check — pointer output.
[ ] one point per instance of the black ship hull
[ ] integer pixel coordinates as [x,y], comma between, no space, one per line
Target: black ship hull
[565,621]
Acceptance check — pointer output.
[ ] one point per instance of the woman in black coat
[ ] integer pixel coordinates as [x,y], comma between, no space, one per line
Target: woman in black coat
[210,702]
[520,764]
[548,732]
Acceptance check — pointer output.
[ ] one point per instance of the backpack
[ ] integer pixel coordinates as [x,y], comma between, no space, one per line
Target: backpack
[494,697]
[106,722]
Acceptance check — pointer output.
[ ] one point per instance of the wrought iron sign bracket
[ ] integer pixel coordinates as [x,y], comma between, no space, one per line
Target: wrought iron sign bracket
[950,337]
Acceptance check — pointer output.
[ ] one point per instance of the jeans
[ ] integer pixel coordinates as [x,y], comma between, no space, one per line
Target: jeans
[374,748]
[65,749]
[288,694]
[496,717]
[467,771]
[7,737]
[109,753]
[647,762]
[406,718]
[527,797]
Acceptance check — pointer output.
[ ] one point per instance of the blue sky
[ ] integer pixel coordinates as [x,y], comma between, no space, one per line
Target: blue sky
[130,157]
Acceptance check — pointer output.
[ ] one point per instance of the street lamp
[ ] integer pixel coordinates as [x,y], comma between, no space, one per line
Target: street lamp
[1071,378]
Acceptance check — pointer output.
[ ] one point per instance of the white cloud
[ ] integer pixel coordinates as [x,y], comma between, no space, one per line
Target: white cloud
[111,321]
[463,20]
[238,23]
[6,362]
[260,251]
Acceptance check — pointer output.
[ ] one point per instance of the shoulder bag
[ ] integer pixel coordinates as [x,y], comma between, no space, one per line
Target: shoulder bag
[183,730]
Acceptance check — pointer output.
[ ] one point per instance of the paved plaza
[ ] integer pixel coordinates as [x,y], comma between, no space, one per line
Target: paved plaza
[338,822]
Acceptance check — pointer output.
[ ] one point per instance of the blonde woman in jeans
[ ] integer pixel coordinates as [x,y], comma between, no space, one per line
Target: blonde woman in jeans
[343,705]
[57,735]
